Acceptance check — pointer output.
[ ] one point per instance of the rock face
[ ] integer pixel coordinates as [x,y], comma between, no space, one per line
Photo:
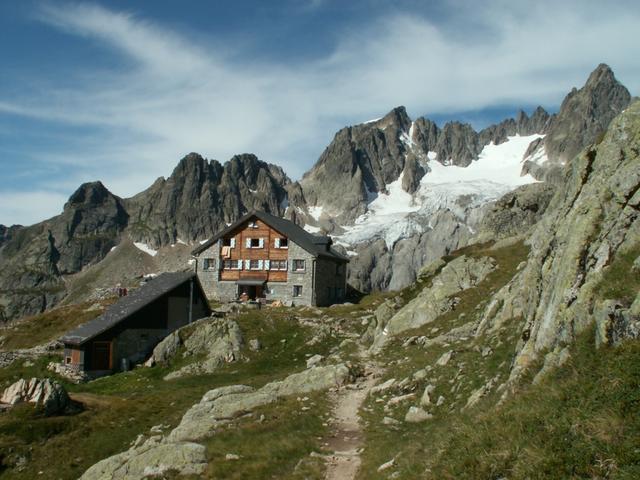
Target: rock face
[588,222]
[439,298]
[360,161]
[201,197]
[44,393]
[583,117]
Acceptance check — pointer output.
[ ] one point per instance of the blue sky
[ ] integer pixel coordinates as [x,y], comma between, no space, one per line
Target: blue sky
[121,90]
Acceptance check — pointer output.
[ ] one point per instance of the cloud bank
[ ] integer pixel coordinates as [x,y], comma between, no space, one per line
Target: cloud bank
[172,94]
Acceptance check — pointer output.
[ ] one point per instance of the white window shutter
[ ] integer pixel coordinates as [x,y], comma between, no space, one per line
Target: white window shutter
[285,264]
[247,264]
[277,242]
[267,264]
[261,243]
[233,243]
[260,264]
[247,243]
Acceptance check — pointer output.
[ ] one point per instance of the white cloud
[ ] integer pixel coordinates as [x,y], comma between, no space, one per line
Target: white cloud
[175,95]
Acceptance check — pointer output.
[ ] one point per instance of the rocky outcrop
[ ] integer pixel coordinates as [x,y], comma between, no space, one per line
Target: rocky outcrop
[436,299]
[219,340]
[43,393]
[589,221]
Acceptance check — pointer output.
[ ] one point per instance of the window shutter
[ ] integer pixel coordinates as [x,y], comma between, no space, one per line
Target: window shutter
[247,243]
[285,265]
[233,243]
[247,264]
[267,264]
[277,243]
[261,243]
[260,264]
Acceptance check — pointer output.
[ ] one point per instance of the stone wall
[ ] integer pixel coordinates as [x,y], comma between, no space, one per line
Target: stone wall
[331,281]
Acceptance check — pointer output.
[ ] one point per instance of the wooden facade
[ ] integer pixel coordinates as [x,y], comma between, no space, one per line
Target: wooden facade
[242,253]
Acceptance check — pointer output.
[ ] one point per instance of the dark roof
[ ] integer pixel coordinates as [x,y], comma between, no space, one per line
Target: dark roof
[318,246]
[129,305]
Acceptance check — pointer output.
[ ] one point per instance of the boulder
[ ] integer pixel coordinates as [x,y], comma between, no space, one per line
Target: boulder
[150,460]
[425,400]
[45,393]
[417,415]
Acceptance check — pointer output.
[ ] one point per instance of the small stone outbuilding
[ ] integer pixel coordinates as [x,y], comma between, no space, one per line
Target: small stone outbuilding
[129,330]
[263,257]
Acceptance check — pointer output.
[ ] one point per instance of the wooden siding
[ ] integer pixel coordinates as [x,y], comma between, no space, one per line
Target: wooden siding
[267,252]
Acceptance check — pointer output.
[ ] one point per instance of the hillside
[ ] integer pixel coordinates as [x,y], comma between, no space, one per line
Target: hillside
[514,357]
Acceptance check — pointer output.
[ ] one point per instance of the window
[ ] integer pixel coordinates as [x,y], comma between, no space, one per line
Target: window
[67,360]
[209,263]
[297,290]
[231,265]
[253,225]
[278,265]
[255,264]
[229,242]
[298,266]
[281,242]
[254,242]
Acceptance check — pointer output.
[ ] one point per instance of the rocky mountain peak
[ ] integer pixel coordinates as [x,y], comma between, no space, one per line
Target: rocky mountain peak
[90,194]
[397,118]
[585,114]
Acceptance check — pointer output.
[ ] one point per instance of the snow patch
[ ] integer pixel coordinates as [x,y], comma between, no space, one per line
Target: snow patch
[373,121]
[312,229]
[315,212]
[113,248]
[181,242]
[145,248]
[539,157]
[191,261]
[202,242]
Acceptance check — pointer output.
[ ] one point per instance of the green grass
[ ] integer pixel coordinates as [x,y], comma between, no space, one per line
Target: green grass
[581,422]
[272,447]
[50,325]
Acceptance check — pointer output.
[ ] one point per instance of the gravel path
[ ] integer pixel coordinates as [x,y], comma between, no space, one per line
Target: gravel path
[346,439]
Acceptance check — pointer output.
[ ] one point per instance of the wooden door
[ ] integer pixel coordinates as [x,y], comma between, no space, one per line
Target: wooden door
[101,356]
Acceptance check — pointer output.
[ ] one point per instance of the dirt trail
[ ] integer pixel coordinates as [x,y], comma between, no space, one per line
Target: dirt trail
[346,438]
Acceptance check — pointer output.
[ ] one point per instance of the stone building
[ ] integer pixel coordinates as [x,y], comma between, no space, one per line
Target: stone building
[266,257]
[128,330]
